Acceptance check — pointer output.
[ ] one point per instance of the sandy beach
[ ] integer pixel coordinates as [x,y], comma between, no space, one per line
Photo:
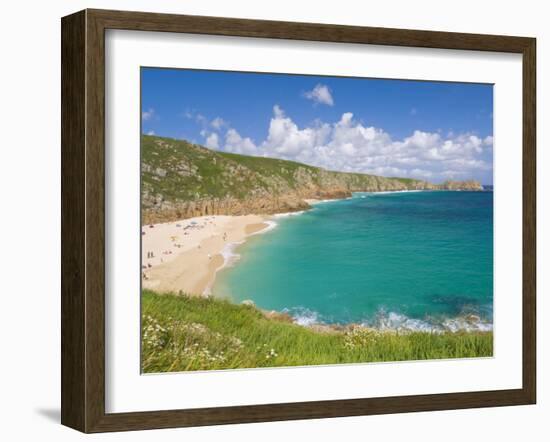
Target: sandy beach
[185,255]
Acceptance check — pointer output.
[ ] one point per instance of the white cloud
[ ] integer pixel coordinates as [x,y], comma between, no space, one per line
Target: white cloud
[218,123]
[320,94]
[237,144]
[451,174]
[286,139]
[278,112]
[201,119]
[421,173]
[148,114]
[151,132]
[212,141]
[349,145]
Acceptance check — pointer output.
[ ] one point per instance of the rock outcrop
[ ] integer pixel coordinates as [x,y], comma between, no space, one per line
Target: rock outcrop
[461,185]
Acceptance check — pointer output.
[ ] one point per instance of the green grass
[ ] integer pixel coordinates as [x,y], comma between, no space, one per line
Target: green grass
[182,333]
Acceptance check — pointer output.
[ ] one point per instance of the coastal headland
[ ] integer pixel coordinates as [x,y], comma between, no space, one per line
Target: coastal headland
[181,180]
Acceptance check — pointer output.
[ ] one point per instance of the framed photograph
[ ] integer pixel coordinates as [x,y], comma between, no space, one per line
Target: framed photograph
[268,221]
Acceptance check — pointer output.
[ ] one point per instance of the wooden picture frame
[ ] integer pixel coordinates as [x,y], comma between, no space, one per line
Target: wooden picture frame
[83,220]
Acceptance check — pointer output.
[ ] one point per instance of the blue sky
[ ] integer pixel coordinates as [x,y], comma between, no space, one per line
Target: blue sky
[428,130]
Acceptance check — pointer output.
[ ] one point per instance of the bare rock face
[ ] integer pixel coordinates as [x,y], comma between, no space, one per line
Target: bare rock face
[462,185]
[268,204]
[171,211]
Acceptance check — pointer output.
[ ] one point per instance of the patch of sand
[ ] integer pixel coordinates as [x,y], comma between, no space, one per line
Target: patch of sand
[185,255]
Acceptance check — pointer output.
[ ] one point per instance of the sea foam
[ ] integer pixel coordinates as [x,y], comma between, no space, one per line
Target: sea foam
[270,226]
[401,322]
[229,255]
[304,316]
[287,214]
[392,321]
[386,192]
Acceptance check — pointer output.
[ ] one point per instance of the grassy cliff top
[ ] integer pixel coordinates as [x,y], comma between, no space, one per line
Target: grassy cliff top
[182,333]
[179,170]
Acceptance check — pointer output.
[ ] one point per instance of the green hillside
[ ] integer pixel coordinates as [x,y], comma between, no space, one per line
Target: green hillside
[180,170]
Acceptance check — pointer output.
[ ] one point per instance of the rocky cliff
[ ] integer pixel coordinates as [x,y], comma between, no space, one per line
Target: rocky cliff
[182,180]
[461,185]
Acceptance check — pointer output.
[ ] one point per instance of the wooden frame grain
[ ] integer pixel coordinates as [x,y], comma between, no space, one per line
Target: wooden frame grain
[83,217]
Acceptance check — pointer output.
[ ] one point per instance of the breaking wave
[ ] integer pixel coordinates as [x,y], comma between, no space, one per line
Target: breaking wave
[392,321]
[304,316]
[230,256]
[400,322]
[287,214]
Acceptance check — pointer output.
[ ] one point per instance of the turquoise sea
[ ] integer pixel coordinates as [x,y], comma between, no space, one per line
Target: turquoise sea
[417,260]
